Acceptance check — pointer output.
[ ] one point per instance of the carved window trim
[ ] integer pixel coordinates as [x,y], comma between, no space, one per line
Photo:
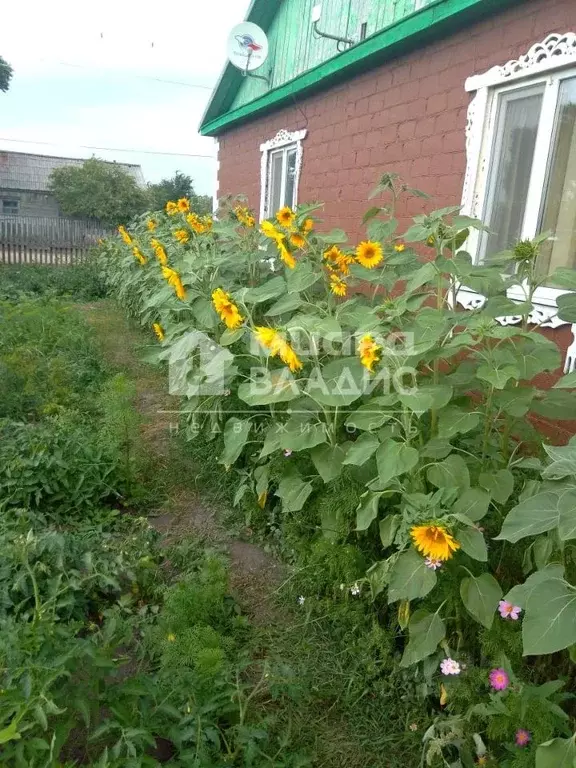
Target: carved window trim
[556,52]
[282,139]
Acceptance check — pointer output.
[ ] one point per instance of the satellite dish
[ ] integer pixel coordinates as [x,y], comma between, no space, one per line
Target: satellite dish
[247,46]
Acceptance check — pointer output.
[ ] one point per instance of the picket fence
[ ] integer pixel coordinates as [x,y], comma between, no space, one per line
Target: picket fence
[47,240]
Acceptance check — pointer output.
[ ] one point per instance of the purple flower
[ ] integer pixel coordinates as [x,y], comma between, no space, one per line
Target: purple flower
[449,667]
[433,564]
[523,737]
[499,679]
[508,610]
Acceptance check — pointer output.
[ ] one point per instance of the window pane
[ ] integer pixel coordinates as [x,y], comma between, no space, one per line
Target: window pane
[275,194]
[515,139]
[290,177]
[559,208]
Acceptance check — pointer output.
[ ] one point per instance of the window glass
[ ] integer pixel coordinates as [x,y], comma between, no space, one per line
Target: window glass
[514,142]
[290,178]
[9,207]
[559,205]
[276,163]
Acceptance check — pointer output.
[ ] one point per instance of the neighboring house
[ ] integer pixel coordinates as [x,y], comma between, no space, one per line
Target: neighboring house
[24,182]
[472,101]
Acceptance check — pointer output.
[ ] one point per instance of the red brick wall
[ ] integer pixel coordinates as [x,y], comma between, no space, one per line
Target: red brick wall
[408,116]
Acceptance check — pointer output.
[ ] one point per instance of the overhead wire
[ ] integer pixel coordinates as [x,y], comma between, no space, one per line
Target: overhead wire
[109,149]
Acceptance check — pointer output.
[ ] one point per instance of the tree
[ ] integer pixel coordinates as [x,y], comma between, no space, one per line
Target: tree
[98,190]
[180,185]
[5,74]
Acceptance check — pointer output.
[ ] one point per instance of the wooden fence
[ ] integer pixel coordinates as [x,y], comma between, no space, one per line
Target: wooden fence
[47,240]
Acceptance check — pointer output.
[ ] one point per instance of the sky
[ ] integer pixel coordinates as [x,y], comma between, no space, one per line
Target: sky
[89,75]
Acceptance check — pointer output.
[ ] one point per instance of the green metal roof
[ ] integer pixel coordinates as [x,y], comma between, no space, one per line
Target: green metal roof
[432,22]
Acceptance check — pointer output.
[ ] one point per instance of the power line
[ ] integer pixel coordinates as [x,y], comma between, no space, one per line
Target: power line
[130,74]
[109,149]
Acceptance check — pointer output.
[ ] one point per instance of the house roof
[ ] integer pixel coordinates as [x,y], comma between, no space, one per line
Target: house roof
[435,20]
[20,170]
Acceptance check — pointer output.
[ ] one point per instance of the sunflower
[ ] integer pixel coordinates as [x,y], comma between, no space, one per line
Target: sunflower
[183,205]
[399,247]
[285,255]
[207,223]
[139,255]
[368,352]
[434,541]
[269,230]
[308,225]
[158,330]
[159,251]
[333,254]
[369,254]
[244,216]
[124,235]
[227,310]
[173,278]
[171,208]
[337,285]
[297,240]
[151,224]
[181,235]
[276,344]
[285,216]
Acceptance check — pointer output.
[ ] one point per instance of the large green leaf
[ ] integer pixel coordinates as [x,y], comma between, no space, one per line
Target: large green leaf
[393,459]
[328,461]
[388,528]
[567,307]
[367,511]
[236,434]
[426,630]
[229,336]
[499,484]
[473,543]
[452,421]
[556,404]
[294,492]
[285,304]
[426,398]
[556,753]
[541,513]
[567,382]
[362,449]
[520,594]
[550,621]
[338,384]
[276,386]
[563,462]
[370,416]
[302,436]
[302,277]
[10,733]
[450,473]
[410,578]
[473,503]
[481,595]
[498,374]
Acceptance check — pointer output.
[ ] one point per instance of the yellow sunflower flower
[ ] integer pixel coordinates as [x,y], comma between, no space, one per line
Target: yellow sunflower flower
[183,205]
[297,240]
[399,247]
[151,224]
[158,330]
[171,208]
[173,279]
[285,216]
[333,254]
[139,255]
[159,251]
[285,254]
[124,235]
[434,541]
[227,310]
[269,230]
[207,223]
[368,352]
[337,285]
[369,254]
[308,225]
[277,345]
[250,222]
[181,235]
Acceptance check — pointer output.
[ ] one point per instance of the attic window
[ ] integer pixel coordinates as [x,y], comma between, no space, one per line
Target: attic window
[10,207]
[280,171]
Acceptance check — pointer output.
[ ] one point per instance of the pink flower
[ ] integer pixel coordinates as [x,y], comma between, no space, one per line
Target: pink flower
[523,737]
[509,611]
[449,667]
[499,679]
[432,564]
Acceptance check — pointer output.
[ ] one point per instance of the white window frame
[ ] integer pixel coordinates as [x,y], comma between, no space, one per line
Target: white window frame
[283,142]
[548,62]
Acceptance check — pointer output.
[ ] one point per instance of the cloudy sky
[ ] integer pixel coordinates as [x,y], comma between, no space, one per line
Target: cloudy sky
[91,74]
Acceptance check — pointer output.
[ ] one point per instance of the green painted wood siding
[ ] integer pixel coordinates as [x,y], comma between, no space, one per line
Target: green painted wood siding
[294,49]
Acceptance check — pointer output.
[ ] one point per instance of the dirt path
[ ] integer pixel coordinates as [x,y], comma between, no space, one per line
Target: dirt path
[254,573]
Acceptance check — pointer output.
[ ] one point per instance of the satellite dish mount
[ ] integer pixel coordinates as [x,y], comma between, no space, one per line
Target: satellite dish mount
[248,49]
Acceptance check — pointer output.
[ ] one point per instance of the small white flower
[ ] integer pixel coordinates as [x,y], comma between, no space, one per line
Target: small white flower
[433,564]
[287,452]
[301,600]
[450,667]
[355,590]
[341,587]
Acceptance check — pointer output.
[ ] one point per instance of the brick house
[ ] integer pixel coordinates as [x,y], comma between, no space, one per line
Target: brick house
[472,101]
